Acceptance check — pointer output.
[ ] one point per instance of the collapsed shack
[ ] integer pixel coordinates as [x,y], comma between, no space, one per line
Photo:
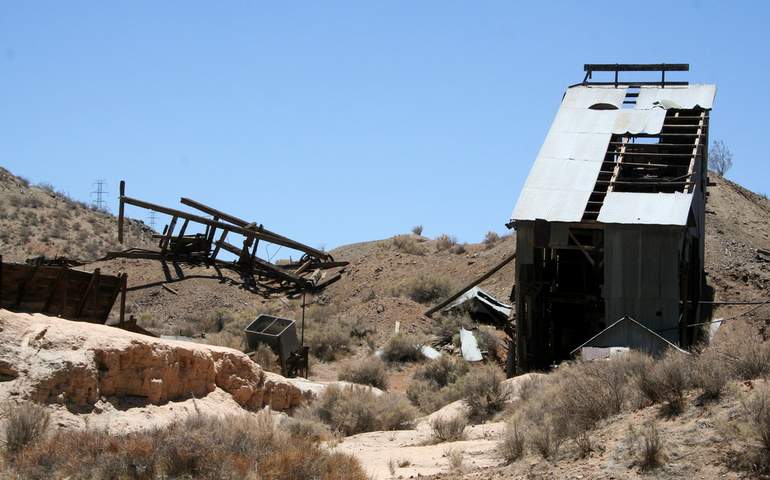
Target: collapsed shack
[257,274]
[610,222]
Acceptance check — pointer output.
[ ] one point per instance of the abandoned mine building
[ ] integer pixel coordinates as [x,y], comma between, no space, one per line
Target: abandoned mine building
[610,222]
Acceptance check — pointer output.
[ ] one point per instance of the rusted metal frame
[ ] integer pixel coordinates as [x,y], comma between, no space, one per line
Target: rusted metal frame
[636,67]
[655,154]
[210,232]
[303,267]
[92,285]
[233,228]
[266,234]
[642,182]
[23,286]
[470,285]
[582,249]
[691,169]
[313,265]
[59,277]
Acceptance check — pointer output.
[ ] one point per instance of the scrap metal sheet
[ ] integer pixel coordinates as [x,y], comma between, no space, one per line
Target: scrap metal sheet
[646,208]
[690,96]
[636,121]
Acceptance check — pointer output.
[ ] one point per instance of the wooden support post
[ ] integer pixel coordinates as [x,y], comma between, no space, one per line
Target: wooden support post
[169,232]
[123,286]
[472,284]
[92,285]
[582,249]
[120,211]
[219,244]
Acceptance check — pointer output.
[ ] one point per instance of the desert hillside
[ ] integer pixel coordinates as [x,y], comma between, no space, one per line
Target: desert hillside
[39,220]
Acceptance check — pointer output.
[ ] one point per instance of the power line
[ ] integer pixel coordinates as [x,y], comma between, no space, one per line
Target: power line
[100,193]
[152,217]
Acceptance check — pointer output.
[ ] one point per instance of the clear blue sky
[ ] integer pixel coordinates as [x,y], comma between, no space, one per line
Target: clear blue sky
[335,122]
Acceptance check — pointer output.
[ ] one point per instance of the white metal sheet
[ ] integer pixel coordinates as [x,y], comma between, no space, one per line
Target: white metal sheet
[583,120]
[646,208]
[469,346]
[635,121]
[552,205]
[689,96]
[584,96]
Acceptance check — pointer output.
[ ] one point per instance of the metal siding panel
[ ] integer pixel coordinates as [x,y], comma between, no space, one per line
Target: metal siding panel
[646,208]
[635,121]
[582,96]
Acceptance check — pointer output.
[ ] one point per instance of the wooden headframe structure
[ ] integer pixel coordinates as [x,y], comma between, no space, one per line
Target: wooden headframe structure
[257,273]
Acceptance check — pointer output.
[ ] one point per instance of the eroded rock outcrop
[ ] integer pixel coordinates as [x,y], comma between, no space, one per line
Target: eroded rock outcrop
[54,360]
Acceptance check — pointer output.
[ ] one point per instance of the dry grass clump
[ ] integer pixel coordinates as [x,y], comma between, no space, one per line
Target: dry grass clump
[266,358]
[370,371]
[446,327]
[455,456]
[445,242]
[417,230]
[355,409]
[448,429]
[757,408]
[490,239]
[649,446]
[512,445]
[402,347]
[546,438]
[487,339]
[207,447]
[26,424]
[407,244]
[667,380]
[425,289]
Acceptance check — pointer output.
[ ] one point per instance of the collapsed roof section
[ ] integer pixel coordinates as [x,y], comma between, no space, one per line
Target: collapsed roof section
[619,154]
[258,274]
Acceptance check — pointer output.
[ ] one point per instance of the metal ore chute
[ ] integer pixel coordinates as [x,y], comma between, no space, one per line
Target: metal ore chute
[258,274]
[610,221]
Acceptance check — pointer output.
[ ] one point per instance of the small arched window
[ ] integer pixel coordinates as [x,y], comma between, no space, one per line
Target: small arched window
[603,106]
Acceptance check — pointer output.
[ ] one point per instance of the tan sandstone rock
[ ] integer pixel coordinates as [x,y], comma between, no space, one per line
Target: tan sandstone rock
[51,360]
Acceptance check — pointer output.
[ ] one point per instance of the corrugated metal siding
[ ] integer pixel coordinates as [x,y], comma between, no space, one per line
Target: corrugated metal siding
[646,208]
[641,276]
[691,96]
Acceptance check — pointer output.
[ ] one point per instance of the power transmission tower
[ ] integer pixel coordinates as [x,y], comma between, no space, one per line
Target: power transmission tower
[99,195]
[151,219]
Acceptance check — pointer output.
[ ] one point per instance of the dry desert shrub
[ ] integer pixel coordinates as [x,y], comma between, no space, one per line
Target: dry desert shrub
[545,438]
[744,351]
[328,342]
[442,371]
[407,244]
[447,326]
[356,409]
[417,230]
[757,408]
[482,390]
[429,397]
[490,239]
[710,374]
[369,371]
[445,242]
[448,429]
[207,447]
[402,347]
[25,424]
[455,456]
[667,381]
[512,445]
[424,288]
